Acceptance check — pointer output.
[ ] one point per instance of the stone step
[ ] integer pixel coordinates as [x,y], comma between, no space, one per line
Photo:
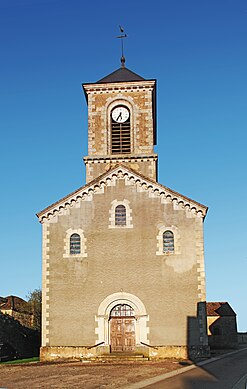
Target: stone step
[120,355]
[117,357]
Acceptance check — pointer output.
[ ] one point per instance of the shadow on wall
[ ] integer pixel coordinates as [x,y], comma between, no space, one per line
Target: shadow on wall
[223,334]
[218,334]
[222,326]
[197,338]
[242,338]
[213,328]
[16,340]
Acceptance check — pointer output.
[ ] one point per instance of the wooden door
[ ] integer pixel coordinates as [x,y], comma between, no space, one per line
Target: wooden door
[122,330]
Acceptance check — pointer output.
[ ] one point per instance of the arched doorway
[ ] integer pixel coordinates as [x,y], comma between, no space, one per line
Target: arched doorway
[104,317]
[122,328]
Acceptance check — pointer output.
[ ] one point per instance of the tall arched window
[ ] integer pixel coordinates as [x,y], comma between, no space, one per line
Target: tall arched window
[168,242]
[120,215]
[75,244]
[120,130]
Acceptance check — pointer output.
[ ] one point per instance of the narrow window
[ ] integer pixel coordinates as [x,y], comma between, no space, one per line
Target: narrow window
[120,215]
[120,130]
[75,244]
[168,242]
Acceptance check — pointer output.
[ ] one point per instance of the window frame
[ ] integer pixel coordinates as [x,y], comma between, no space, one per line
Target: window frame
[176,240]
[168,242]
[112,217]
[120,216]
[83,247]
[75,245]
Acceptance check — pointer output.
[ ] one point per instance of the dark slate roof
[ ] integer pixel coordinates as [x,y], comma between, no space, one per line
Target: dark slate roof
[121,75]
[219,309]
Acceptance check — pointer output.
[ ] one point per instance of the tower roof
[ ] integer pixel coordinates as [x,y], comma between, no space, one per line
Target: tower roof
[122,74]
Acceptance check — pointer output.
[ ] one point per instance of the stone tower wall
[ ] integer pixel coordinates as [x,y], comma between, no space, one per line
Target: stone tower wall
[102,98]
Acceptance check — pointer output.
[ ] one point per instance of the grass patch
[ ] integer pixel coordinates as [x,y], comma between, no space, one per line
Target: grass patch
[27,360]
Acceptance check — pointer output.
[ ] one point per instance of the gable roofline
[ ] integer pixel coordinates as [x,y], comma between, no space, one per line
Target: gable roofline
[121,171]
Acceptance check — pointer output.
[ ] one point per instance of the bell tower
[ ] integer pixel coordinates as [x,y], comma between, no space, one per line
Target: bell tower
[121,124]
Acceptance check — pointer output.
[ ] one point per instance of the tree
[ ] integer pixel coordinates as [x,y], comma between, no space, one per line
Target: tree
[34,300]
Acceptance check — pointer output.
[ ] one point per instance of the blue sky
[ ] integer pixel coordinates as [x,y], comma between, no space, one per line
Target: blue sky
[197,52]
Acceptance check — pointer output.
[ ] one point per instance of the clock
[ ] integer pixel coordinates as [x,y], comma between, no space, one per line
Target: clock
[120,114]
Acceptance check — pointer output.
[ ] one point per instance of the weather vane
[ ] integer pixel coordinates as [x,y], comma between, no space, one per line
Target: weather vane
[122,36]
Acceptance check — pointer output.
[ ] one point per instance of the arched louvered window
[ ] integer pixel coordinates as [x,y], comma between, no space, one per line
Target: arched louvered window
[120,130]
[120,215]
[75,244]
[168,242]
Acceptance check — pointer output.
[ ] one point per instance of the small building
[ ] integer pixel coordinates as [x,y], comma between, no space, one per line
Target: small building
[18,308]
[222,325]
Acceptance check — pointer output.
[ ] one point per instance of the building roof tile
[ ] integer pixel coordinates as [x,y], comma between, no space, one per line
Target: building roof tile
[14,303]
[219,309]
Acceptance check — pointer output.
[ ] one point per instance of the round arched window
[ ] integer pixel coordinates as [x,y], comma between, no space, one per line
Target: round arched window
[168,242]
[75,244]
[120,215]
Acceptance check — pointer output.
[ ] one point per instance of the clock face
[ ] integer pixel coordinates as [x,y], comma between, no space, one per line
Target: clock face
[120,114]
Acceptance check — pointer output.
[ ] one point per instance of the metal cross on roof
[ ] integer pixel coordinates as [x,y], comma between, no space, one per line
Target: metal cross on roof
[122,36]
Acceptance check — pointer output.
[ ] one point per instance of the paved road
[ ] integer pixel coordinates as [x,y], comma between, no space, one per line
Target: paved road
[225,373]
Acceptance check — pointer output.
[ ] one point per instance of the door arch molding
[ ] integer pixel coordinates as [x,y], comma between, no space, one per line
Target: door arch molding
[104,311]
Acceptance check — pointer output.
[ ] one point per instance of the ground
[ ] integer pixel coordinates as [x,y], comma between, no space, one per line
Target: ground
[82,375]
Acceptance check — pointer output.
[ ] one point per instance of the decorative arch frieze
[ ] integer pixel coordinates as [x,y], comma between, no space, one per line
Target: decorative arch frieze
[86,193]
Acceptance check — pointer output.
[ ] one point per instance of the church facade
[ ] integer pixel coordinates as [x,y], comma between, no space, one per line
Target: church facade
[123,256]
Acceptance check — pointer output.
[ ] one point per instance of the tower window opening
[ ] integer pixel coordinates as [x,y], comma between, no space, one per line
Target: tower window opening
[120,136]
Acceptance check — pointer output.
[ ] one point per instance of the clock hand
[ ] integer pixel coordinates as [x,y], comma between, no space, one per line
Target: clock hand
[119,116]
